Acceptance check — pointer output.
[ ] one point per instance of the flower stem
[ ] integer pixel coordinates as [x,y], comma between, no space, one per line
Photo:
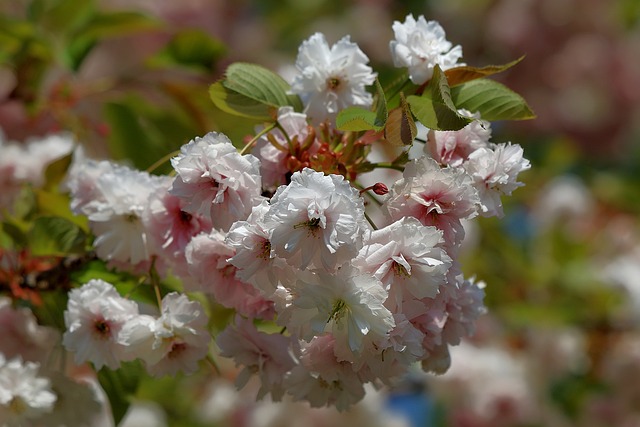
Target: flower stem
[213,363]
[373,224]
[387,165]
[264,131]
[162,160]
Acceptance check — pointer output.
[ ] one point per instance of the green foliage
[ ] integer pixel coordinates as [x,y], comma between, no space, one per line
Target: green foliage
[252,91]
[191,48]
[460,75]
[401,130]
[120,386]
[435,108]
[359,119]
[100,26]
[492,100]
[55,236]
[143,133]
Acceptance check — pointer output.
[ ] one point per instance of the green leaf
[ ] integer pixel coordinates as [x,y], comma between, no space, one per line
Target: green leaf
[234,103]
[459,75]
[356,119]
[247,87]
[53,203]
[492,100]
[435,108]
[55,236]
[359,119]
[56,172]
[101,26]
[112,24]
[142,133]
[120,386]
[400,129]
[63,16]
[191,48]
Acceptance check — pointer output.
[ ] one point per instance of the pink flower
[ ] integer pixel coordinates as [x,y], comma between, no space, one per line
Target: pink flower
[267,355]
[321,379]
[495,172]
[22,336]
[207,256]
[407,257]
[170,226]
[273,158]
[176,341]
[436,196]
[453,147]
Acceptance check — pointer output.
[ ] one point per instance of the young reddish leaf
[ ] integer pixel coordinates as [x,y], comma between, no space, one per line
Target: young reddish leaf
[459,75]
[400,129]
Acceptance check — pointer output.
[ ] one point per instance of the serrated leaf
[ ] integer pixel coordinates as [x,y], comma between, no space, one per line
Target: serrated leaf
[120,386]
[237,104]
[400,129]
[259,84]
[360,119]
[492,100]
[382,112]
[356,119]
[55,236]
[435,108]
[459,75]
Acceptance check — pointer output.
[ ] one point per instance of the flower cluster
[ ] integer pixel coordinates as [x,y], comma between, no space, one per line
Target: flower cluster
[283,236]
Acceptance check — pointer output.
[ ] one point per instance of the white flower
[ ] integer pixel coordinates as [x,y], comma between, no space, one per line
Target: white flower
[266,355]
[94,319]
[175,341]
[116,213]
[406,256]
[24,395]
[216,181]
[495,172]
[316,220]
[331,78]
[349,304]
[420,45]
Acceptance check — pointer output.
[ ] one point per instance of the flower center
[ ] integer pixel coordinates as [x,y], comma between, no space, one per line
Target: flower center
[185,217]
[333,83]
[265,250]
[312,225]
[18,405]
[337,311]
[400,271]
[102,328]
[177,348]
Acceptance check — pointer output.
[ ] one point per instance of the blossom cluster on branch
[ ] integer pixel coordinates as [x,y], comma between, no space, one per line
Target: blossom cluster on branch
[281,230]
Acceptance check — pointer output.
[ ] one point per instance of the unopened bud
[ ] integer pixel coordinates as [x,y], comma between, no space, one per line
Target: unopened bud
[380,189]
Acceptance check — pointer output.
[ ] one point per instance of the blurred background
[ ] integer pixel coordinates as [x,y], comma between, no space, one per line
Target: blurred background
[561,343]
